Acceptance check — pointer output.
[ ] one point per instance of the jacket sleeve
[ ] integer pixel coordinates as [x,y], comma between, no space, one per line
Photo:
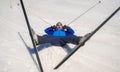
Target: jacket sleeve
[70,31]
[49,31]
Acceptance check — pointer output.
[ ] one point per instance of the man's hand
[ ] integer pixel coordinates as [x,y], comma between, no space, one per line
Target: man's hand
[66,27]
[53,27]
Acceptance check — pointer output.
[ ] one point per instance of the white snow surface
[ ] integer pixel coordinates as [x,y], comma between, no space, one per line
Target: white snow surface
[100,53]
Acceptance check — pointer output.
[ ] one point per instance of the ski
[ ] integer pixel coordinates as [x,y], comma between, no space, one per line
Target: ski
[84,13]
[31,36]
[85,39]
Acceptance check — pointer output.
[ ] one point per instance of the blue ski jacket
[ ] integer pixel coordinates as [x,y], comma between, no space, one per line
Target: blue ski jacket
[59,32]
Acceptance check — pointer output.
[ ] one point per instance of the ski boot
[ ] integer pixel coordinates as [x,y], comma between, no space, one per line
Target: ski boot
[85,36]
[82,39]
[35,38]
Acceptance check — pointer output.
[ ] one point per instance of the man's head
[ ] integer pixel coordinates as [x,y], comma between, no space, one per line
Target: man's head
[59,25]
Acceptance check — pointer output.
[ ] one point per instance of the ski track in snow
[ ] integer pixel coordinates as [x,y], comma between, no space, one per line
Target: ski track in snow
[100,53]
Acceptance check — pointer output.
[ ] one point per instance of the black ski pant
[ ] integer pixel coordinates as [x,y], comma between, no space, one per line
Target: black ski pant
[59,40]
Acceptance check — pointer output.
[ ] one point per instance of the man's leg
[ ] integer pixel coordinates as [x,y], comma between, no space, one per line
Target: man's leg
[47,39]
[51,39]
[71,39]
[76,39]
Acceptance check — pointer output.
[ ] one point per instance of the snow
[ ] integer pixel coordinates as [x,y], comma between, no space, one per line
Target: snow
[100,53]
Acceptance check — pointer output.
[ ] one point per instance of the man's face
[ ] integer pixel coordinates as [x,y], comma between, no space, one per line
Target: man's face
[59,26]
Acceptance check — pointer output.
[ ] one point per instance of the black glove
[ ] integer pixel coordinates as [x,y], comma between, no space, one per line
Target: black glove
[66,27]
[53,27]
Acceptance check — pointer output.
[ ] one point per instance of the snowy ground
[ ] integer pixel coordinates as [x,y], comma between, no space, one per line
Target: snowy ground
[100,53]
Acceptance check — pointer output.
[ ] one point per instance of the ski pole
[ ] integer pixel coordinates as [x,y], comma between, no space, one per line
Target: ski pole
[34,13]
[45,21]
[11,4]
[83,13]
[87,38]
[28,25]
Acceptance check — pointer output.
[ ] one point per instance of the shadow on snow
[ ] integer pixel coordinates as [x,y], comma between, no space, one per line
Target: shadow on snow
[43,46]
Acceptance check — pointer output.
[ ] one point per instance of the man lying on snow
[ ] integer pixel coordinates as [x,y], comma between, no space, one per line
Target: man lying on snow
[57,35]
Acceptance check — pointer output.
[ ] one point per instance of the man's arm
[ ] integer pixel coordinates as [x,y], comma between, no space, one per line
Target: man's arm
[49,31]
[68,30]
